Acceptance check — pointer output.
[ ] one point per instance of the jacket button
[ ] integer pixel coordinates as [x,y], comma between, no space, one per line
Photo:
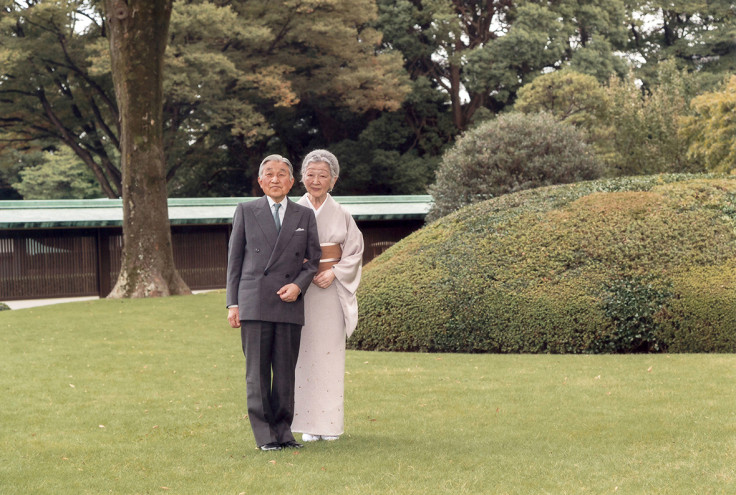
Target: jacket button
[258,250]
[286,276]
[265,274]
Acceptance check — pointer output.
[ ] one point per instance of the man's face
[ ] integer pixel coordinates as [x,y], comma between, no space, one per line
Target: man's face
[275,180]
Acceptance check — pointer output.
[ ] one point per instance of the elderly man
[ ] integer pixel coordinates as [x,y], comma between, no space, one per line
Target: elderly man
[273,255]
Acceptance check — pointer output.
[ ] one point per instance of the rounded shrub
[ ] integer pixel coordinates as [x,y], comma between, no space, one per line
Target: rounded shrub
[639,264]
[511,153]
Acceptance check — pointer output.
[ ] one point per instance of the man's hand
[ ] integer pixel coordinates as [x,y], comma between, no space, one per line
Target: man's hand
[289,292]
[233,317]
[324,279]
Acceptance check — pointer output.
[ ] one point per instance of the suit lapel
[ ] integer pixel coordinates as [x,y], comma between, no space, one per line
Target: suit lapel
[265,222]
[291,220]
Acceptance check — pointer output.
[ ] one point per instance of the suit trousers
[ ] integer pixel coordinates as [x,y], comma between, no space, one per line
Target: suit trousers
[271,351]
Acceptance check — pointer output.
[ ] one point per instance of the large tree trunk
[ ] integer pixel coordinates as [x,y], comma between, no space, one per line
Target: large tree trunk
[138,31]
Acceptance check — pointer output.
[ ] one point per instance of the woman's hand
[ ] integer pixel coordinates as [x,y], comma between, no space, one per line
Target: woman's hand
[324,279]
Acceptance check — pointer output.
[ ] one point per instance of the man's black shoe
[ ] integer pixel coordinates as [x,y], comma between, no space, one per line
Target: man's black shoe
[270,446]
[291,444]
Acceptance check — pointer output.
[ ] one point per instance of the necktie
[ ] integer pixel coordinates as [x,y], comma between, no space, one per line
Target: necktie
[276,217]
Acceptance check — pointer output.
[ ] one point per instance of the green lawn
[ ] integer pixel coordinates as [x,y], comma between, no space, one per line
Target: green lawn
[148,396]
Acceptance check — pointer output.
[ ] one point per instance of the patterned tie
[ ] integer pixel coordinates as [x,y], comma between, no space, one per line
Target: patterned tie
[276,217]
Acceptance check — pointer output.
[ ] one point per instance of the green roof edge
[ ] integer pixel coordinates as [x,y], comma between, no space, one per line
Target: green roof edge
[7,206]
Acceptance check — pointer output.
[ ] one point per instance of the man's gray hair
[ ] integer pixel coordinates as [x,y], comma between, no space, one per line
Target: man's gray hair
[276,158]
[321,156]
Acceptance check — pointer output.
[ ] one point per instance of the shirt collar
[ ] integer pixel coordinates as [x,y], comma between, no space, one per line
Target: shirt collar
[271,202]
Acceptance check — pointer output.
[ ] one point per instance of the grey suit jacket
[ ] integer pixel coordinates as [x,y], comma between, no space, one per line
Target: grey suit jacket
[261,261]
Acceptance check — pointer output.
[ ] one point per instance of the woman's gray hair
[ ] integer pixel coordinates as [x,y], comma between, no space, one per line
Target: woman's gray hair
[321,156]
[276,158]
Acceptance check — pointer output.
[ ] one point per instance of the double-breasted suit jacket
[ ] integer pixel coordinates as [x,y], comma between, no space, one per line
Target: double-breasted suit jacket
[261,261]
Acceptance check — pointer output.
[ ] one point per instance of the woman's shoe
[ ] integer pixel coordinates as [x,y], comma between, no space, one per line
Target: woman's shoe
[306,437]
[330,438]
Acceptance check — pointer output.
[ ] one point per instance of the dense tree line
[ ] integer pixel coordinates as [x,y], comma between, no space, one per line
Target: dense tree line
[386,84]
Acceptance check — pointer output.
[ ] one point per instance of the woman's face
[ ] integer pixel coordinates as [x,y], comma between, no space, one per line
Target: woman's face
[318,180]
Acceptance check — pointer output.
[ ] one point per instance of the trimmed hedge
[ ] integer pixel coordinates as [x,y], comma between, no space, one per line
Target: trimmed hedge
[638,264]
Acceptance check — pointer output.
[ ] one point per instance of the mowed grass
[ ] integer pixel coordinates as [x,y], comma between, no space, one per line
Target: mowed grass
[148,396]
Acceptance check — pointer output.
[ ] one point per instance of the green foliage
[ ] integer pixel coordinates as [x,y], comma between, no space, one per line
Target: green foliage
[241,80]
[544,35]
[632,305]
[61,175]
[633,130]
[50,95]
[712,130]
[453,28]
[4,307]
[535,40]
[283,77]
[574,98]
[513,153]
[569,96]
[645,124]
[398,152]
[698,34]
[386,82]
[701,315]
[318,78]
[617,265]
[11,163]
[597,58]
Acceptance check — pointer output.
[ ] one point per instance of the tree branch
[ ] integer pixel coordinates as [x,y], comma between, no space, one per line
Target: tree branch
[109,102]
[66,135]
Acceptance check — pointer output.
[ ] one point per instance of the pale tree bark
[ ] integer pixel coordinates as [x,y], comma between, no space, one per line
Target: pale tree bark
[138,31]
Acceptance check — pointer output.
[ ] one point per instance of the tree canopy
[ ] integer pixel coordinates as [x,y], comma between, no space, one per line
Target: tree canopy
[386,84]
[49,97]
[239,80]
[634,130]
[57,176]
[712,130]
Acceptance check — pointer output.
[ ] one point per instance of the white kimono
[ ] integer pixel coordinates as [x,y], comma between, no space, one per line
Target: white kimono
[331,315]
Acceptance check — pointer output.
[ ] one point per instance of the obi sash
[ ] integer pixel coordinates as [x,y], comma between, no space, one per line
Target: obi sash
[331,254]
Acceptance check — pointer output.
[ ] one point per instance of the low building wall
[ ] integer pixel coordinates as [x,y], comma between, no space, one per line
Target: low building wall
[49,257]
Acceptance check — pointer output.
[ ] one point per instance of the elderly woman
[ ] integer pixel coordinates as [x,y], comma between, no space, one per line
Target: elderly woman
[331,309]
